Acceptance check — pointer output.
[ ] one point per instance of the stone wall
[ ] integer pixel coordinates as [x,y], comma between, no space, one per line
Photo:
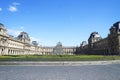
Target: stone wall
[21,45]
[97,45]
[107,46]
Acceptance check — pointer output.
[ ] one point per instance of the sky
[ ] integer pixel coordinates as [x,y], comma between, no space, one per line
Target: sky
[67,21]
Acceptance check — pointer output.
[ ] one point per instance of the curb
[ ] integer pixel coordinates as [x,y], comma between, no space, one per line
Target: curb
[61,63]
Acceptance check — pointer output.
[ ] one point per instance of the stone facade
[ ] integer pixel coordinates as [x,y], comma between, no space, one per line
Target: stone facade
[107,46]
[21,45]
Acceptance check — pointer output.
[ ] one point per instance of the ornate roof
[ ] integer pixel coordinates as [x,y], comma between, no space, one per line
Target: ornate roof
[95,35]
[116,24]
[59,44]
[23,35]
[115,27]
[2,26]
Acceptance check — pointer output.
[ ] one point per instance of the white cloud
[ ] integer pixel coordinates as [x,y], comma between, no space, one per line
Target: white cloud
[0,9]
[15,3]
[14,32]
[12,8]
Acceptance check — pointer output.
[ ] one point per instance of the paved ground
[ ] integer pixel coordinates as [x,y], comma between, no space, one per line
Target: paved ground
[83,72]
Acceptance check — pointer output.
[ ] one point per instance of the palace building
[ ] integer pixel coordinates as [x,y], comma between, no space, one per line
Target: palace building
[107,46]
[21,45]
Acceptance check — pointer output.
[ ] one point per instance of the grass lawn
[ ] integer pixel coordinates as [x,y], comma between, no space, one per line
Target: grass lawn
[58,58]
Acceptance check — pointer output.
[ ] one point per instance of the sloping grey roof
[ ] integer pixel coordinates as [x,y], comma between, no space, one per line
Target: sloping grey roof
[23,35]
[95,35]
[2,26]
[117,25]
[59,44]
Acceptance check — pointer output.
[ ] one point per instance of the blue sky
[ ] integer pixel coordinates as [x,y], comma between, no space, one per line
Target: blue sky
[67,21]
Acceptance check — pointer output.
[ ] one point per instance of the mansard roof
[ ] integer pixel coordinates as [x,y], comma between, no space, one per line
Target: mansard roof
[2,26]
[117,25]
[59,44]
[95,35]
[23,35]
